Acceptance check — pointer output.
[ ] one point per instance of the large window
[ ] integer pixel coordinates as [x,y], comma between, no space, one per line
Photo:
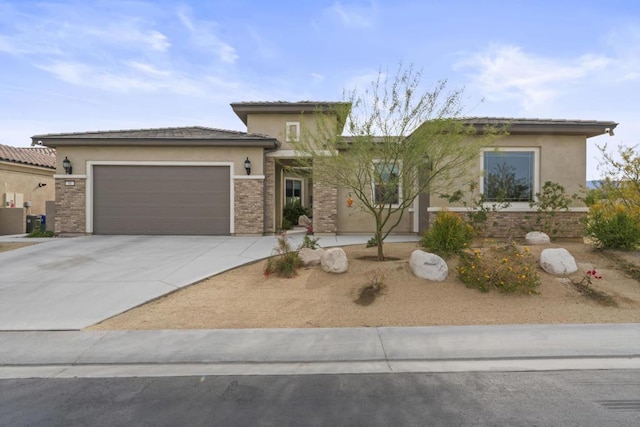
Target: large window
[386,186]
[509,175]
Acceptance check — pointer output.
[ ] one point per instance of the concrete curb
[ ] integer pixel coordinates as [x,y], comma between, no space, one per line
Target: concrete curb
[331,350]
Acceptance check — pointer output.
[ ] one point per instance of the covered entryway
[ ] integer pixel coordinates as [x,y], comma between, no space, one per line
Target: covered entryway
[178,200]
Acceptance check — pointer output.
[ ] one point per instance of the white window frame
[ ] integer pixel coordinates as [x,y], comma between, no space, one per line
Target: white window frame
[536,171]
[288,136]
[284,189]
[373,186]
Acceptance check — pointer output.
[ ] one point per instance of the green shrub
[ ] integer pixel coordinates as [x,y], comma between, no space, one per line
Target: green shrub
[309,242]
[506,268]
[551,200]
[372,242]
[448,235]
[285,262]
[40,232]
[619,229]
[286,224]
[292,212]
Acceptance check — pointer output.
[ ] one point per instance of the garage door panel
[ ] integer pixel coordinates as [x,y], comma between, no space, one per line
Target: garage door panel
[187,200]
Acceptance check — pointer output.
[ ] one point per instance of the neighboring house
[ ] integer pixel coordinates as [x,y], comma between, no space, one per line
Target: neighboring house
[26,176]
[194,180]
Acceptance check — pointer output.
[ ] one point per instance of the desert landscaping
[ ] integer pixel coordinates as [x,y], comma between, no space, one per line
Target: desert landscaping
[247,298]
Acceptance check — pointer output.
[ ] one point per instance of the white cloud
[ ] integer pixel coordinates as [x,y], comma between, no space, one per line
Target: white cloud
[127,33]
[353,16]
[507,72]
[138,77]
[203,35]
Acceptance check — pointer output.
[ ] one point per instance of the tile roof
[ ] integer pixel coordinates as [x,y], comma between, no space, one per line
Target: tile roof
[192,132]
[526,121]
[242,109]
[35,156]
[523,126]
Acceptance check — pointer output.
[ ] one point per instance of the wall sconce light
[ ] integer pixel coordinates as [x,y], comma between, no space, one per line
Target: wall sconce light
[247,166]
[42,184]
[66,164]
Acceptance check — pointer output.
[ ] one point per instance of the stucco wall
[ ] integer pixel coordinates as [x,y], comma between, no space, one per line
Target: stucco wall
[563,159]
[12,221]
[354,220]
[15,178]
[274,125]
[80,155]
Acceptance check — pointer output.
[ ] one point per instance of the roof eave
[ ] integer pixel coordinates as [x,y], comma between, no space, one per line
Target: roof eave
[584,129]
[243,109]
[134,142]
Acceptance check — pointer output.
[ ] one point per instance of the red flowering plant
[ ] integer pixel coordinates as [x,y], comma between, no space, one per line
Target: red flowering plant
[592,274]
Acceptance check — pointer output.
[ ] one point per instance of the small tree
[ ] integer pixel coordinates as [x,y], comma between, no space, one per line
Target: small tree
[614,209]
[400,142]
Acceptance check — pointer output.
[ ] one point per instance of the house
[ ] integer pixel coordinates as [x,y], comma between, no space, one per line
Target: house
[27,183]
[199,180]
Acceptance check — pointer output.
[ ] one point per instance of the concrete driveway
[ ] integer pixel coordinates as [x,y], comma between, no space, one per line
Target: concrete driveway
[72,283]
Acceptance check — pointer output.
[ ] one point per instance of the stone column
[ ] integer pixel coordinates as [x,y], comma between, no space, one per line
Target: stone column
[71,207]
[269,195]
[247,206]
[325,208]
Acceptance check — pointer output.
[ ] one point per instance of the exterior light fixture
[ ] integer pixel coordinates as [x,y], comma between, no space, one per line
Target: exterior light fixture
[247,166]
[66,164]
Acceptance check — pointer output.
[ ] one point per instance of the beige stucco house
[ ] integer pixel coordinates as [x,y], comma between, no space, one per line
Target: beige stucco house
[26,184]
[199,180]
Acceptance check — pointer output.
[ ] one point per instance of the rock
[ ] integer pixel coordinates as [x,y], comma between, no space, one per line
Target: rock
[558,261]
[310,256]
[334,260]
[304,220]
[428,266]
[537,238]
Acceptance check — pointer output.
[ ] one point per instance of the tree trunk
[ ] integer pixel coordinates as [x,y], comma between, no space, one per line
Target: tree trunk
[379,240]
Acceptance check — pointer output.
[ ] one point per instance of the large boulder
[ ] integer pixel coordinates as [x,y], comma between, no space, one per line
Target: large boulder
[428,266]
[334,260]
[304,220]
[310,256]
[537,238]
[558,261]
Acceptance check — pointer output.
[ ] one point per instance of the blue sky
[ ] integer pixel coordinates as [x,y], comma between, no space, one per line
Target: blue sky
[92,65]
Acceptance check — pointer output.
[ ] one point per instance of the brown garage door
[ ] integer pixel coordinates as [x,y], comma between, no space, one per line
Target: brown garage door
[185,200]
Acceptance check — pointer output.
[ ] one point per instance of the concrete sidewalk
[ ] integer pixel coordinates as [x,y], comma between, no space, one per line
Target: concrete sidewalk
[72,283]
[313,351]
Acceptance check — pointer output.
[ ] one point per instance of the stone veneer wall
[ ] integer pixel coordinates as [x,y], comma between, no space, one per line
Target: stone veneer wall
[70,206]
[325,208]
[248,206]
[515,225]
[269,194]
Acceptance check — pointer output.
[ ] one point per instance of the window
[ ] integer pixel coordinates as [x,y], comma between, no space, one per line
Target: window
[292,131]
[386,188]
[292,191]
[509,175]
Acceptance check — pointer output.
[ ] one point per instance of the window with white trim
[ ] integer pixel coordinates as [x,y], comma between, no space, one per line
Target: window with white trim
[292,131]
[386,185]
[293,191]
[510,174]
